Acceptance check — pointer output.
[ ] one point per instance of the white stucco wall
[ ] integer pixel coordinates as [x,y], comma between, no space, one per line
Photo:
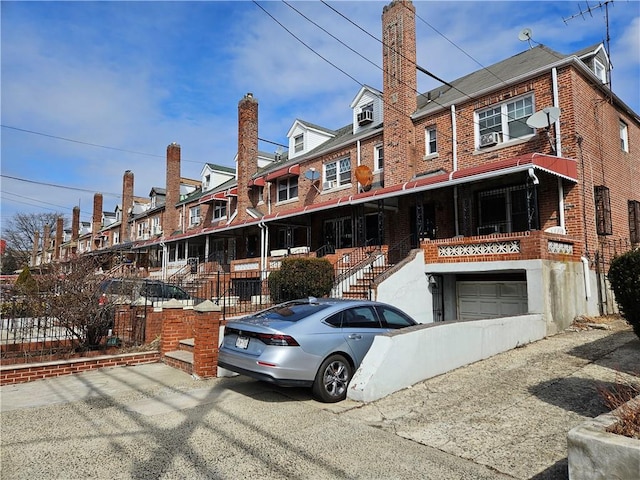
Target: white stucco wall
[402,358]
[409,290]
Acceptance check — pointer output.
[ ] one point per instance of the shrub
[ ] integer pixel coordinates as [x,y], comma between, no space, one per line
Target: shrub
[624,275]
[300,278]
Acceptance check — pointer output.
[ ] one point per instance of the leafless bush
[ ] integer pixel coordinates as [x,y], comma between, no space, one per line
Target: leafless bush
[619,398]
[70,293]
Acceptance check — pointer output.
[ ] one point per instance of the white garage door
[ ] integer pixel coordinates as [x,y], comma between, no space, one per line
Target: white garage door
[478,300]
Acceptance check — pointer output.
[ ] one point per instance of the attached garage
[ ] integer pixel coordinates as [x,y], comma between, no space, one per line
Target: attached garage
[481,299]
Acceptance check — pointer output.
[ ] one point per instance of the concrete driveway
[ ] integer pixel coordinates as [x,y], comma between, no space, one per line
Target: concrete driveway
[505,417]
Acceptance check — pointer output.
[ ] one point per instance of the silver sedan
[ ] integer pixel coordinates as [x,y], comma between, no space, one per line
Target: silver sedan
[316,343]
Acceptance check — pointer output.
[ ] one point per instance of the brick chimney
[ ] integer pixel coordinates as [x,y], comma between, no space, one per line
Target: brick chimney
[59,237]
[46,243]
[247,150]
[96,221]
[399,90]
[36,247]
[75,224]
[46,239]
[170,219]
[127,204]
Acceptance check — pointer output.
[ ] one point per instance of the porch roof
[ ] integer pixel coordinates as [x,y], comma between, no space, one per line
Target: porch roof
[564,168]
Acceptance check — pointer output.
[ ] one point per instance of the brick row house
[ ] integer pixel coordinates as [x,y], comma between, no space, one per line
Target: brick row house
[503,192]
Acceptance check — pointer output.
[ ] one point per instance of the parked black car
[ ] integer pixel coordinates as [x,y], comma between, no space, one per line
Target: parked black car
[127,290]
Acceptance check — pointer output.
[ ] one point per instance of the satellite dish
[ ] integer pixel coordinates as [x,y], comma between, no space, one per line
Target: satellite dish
[364,175]
[544,118]
[312,174]
[525,35]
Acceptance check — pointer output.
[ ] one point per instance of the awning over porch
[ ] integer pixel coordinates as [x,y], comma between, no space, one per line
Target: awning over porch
[284,171]
[565,168]
[220,196]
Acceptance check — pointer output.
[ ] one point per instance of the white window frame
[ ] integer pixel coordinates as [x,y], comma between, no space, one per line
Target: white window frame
[431,141]
[600,70]
[378,157]
[260,194]
[501,119]
[336,174]
[219,210]
[298,143]
[142,228]
[624,136]
[287,188]
[155,226]
[194,216]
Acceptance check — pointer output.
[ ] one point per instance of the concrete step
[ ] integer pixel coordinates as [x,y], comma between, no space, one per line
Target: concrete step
[186,344]
[180,359]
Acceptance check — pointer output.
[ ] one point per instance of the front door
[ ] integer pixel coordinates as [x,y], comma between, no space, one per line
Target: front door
[338,232]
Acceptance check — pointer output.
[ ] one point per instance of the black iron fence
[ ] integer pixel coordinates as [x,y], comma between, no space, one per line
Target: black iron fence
[29,334]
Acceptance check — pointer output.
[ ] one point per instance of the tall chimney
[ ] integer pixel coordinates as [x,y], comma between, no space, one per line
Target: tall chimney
[59,237]
[46,239]
[36,247]
[170,220]
[247,150]
[75,224]
[127,204]
[399,90]
[96,221]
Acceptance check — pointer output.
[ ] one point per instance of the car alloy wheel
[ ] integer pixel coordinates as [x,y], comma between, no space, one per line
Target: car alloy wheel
[332,379]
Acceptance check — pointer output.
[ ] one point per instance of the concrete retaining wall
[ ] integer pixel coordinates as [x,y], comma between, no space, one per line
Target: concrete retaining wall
[400,359]
[595,454]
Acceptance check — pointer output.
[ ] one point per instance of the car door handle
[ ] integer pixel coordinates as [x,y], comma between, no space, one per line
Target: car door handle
[355,336]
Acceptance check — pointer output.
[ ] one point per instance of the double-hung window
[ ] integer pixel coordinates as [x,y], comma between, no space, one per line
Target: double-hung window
[503,122]
[287,188]
[298,143]
[624,136]
[194,215]
[431,141]
[337,173]
[378,158]
[219,210]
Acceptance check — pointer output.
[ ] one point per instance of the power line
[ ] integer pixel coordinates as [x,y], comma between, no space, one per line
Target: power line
[80,142]
[66,187]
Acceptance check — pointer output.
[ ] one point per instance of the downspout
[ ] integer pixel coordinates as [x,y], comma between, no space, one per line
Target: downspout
[358,152]
[585,270]
[556,103]
[454,152]
[558,144]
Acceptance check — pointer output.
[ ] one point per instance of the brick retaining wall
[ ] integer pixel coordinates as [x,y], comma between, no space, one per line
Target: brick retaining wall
[11,374]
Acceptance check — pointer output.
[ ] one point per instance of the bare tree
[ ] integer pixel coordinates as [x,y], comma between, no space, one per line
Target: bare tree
[20,234]
[72,297]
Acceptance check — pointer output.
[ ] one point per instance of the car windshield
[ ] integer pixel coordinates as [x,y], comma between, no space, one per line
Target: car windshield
[291,312]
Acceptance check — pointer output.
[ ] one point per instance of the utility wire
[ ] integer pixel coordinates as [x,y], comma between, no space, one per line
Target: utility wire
[425,71]
[117,195]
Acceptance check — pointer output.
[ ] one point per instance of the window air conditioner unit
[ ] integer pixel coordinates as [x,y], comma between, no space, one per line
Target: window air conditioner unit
[157,230]
[489,139]
[195,221]
[365,117]
[328,185]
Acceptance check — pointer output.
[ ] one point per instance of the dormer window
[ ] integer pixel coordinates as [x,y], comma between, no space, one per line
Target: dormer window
[366,114]
[600,71]
[298,143]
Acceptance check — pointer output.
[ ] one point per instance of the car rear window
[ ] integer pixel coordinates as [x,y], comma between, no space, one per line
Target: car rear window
[291,312]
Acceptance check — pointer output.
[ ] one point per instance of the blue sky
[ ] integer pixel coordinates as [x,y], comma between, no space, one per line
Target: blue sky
[136,76]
